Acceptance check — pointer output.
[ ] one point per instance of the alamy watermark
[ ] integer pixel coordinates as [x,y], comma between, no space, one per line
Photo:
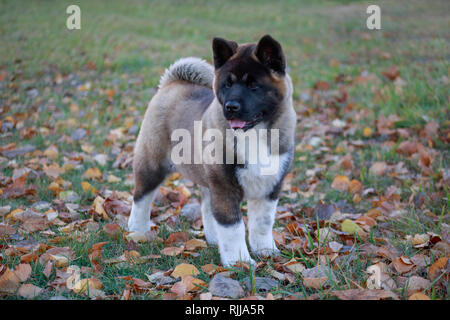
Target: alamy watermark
[73,21]
[373,22]
[250,147]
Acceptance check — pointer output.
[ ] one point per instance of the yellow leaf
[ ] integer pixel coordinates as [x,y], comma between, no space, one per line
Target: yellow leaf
[350,227]
[184,269]
[367,132]
[51,152]
[113,179]
[82,285]
[60,261]
[93,173]
[86,186]
[98,207]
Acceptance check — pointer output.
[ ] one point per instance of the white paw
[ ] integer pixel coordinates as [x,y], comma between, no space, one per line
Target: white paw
[267,252]
[230,261]
[141,227]
[264,247]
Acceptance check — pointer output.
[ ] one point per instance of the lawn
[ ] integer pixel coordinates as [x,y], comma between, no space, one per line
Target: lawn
[364,212]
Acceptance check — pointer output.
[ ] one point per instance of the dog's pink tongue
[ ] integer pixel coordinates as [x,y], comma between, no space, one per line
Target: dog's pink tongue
[235,123]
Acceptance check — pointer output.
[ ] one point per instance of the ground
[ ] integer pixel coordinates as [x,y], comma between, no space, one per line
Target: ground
[366,201]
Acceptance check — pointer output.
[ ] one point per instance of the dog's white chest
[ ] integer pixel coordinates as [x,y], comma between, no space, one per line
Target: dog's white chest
[258,180]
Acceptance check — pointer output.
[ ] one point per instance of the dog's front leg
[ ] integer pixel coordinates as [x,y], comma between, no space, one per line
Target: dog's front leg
[230,229]
[261,217]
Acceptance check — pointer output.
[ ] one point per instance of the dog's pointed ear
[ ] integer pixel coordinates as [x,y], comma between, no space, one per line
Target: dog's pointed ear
[222,51]
[269,53]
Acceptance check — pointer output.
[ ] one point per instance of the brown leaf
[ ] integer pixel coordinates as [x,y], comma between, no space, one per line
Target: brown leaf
[355,186]
[403,264]
[378,168]
[212,269]
[419,296]
[9,281]
[391,73]
[341,183]
[195,244]
[368,294]
[321,85]
[23,271]
[172,251]
[112,230]
[18,189]
[6,230]
[315,283]
[407,148]
[384,252]
[115,207]
[177,238]
[48,269]
[29,291]
[437,268]
[53,171]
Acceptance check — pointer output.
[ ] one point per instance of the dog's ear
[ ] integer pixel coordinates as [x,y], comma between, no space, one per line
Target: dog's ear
[269,52]
[222,51]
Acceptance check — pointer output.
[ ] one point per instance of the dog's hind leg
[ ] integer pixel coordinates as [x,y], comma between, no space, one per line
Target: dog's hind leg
[147,181]
[150,170]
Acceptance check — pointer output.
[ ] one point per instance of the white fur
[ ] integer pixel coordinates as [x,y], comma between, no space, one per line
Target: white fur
[139,219]
[255,184]
[232,246]
[209,223]
[261,216]
[190,69]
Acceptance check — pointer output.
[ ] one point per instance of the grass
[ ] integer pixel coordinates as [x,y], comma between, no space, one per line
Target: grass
[126,47]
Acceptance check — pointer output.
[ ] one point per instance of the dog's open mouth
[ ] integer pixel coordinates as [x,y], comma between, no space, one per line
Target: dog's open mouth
[245,125]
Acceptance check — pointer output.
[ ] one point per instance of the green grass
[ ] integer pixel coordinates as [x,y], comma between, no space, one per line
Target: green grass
[130,45]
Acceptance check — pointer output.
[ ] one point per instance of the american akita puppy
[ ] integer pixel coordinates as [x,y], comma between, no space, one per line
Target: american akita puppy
[247,91]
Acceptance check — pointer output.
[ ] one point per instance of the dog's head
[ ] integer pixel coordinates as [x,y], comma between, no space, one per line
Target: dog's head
[249,80]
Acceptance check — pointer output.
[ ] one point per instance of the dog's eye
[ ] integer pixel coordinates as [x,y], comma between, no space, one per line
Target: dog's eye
[229,82]
[252,86]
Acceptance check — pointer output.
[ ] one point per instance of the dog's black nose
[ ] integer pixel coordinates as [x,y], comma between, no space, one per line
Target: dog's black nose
[232,106]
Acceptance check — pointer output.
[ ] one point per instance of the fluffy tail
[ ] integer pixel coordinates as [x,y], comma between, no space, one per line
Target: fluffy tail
[190,69]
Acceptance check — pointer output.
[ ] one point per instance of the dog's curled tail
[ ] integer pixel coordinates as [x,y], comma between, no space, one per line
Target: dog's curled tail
[189,69]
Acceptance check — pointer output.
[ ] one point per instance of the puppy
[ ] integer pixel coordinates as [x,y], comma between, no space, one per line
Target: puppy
[246,96]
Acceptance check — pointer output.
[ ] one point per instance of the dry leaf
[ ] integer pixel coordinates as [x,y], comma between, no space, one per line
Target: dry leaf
[341,183]
[23,271]
[29,291]
[184,269]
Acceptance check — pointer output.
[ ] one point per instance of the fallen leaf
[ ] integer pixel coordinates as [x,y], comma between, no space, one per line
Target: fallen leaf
[369,294]
[9,281]
[29,291]
[23,271]
[195,244]
[419,296]
[172,251]
[341,183]
[184,269]
[437,268]
[403,264]
[92,173]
